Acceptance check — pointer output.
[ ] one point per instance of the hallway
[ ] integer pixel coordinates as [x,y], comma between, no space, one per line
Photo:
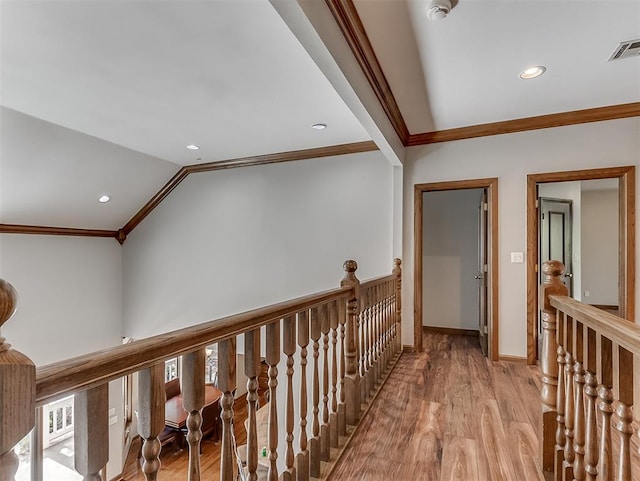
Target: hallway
[449,414]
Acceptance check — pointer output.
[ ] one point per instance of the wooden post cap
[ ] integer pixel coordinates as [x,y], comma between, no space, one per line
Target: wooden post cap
[17,382]
[552,268]
[350,266]
[397,262]
[8,301]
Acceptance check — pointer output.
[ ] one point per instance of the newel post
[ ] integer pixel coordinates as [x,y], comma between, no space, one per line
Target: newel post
[552,286]
[352,376]
[397,271]
[17,391]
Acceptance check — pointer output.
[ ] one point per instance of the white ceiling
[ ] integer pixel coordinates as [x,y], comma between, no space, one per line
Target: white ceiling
[469,62]
[102,96]
[152,77]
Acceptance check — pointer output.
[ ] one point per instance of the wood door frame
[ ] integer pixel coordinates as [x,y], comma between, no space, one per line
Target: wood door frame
[626,239]
[491,184]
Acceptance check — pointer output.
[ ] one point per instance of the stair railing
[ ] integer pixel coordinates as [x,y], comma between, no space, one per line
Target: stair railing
[354,335]
[589,361]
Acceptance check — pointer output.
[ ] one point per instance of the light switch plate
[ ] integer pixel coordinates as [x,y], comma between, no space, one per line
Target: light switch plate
[517,257]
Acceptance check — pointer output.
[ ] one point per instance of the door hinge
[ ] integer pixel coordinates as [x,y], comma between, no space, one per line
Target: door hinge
[537,204]
[543,216]
[486,329]
[485,206]
[485,268]
[536,267]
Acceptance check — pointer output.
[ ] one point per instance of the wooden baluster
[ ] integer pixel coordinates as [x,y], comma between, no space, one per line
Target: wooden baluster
[624,412]
[252,371]
[17,390]
[151,400]
[591,394]
[342,420]
[273,358]
[569,417]
[365,316]
[373,341]
[303,342]
[192,368]
[314,442]
[289,348]
[561,439]
[579,419]
[377,333]
[227,384]
[352,379]
[91,431]
[552,286]
[333,417]
[386,327]
[605,401]
[324,428]
[397,271]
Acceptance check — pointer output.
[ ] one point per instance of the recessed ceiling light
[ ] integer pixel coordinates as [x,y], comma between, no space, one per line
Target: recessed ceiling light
[533,72]
[104,199]
[319,126]
[193,147]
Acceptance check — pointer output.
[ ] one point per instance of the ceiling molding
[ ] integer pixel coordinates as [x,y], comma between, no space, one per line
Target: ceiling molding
[349,22]
[598,114]
[353,148]
[155,200]
[46,230]
[121,234]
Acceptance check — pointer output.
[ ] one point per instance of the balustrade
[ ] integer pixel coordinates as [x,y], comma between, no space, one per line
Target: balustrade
[588,365]
[330,344]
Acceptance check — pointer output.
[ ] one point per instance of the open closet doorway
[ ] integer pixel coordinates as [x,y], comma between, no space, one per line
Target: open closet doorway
[456,260]
[586,220]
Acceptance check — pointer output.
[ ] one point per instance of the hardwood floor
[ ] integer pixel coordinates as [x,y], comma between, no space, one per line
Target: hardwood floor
[449,414]
[175,464]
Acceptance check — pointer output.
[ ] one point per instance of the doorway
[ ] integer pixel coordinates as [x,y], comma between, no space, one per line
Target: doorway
[481,271]
[536,183]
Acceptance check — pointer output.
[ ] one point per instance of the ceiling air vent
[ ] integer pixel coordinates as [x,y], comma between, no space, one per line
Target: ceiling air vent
[630,48]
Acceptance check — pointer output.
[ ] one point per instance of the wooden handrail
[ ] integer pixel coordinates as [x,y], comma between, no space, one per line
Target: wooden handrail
[622,332]
[349,330]
[60,379]
[589,365]
[376,281]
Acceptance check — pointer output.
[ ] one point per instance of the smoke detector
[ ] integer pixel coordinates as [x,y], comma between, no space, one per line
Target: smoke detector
[438,9]
[630,48]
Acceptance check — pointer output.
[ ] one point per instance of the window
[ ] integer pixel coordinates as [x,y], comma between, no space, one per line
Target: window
[170,369]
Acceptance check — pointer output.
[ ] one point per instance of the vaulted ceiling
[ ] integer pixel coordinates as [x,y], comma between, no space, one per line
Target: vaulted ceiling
[102,97]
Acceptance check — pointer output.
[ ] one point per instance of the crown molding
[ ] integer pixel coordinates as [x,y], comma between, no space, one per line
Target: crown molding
[50,230]
[353,148]
[121,234]
[349,22]
[574,117]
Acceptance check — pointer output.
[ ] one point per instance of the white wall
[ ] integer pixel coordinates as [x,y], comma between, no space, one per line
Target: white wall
[600,246]
[570,191]
[228,241]
[70,303]
[510,158]
[450,258]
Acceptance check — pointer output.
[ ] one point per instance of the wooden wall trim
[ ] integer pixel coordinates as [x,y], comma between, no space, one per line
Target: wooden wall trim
[349,22]
[121,234]
[50,230]
[342,149]
[155,200]
[491,184]
[598,114]
[626,269]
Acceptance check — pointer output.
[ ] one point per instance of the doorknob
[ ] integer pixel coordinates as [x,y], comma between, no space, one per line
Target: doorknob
[478,277]
[569,275]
